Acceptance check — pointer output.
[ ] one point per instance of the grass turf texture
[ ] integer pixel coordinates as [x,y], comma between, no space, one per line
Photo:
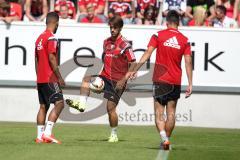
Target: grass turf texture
[89,142]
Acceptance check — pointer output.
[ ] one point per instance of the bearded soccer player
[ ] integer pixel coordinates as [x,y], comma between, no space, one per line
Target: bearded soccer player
[49,80]
[117,58]
[171,46]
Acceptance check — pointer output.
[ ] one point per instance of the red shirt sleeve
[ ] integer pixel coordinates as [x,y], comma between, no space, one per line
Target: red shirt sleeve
[187,50]
[153,41]
[130,55]
[52,45]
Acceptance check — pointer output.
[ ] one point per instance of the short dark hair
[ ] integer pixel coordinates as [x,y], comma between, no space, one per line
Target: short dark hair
[222,8]
[173,17]
[116,21]
[52,17]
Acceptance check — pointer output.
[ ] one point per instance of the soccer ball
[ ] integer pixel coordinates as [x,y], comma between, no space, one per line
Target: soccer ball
[97,85]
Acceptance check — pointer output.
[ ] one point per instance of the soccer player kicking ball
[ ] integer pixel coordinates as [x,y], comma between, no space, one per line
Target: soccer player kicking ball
[171,47]
[48,80]
[117,58]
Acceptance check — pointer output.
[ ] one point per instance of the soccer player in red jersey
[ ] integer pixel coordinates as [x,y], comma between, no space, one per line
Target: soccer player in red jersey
[48,80]
[117,58]
[171,47]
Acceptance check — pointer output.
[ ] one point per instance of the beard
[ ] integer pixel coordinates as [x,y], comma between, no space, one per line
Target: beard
[55,30]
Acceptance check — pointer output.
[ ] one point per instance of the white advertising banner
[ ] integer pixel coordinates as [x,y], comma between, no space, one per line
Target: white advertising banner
[200,110]
[215,51]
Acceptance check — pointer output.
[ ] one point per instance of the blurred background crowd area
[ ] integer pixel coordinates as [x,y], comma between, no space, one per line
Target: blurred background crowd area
[208,13]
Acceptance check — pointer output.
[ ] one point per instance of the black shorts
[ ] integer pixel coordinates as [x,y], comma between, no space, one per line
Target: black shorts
[109,90]
[49,93]
[164,92]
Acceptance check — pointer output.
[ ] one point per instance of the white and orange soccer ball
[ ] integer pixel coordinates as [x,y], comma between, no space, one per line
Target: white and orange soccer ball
[97,85]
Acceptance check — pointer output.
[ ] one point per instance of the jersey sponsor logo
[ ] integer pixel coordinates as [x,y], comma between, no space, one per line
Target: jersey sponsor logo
[112,55]
[39,45]
[109,47]
[172,42]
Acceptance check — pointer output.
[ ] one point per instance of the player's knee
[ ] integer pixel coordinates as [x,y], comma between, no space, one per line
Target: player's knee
[160,116]
[111,107]
[159,120]
[171,117]
[59,103]
[44,108]
[111,110]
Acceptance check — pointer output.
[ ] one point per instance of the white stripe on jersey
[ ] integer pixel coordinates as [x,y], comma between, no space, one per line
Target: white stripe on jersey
[155,34]
[52,38]
[127,45]
[131,54]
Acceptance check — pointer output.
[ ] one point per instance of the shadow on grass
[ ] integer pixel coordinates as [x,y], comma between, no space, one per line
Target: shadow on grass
[173,148]
[97,140]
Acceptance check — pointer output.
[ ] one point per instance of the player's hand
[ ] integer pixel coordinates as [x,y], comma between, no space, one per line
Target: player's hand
[130,75]
[188,91]
[62,82]
[133,76]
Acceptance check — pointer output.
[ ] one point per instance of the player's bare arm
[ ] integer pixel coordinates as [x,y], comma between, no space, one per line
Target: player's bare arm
[188,66]
[147,54]
[120,84]
[131,70]
[36,64]
[53,63]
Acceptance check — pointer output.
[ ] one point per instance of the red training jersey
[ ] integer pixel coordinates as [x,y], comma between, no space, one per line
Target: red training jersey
[45,44]
[117,55]
[171,46]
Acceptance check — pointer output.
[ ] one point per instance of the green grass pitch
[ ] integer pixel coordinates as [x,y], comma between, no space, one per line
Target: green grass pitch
[88,142]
